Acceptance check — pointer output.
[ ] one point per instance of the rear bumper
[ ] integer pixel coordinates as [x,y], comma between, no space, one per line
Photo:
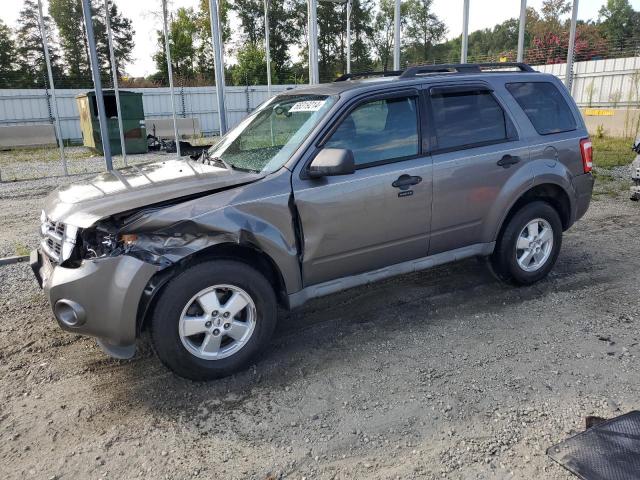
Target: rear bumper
[583,186]
[99,298]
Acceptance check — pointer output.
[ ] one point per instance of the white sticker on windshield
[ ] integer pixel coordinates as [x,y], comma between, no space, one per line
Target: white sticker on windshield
[307,106]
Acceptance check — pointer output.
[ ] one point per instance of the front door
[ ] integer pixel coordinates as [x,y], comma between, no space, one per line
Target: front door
[379,215]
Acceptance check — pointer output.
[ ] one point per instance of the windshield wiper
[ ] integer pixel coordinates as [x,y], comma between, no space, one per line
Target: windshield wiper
[208,159]
[243,169]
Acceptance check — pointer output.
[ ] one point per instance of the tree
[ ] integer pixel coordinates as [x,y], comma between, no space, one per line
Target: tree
[618,21]
[383,29]
[552,10]
[423,29]
[252,66]
[362,30]
[204,49]
[283,29]
[7,49]
[29,51]
[122,35]
[331,43]
[182,41]
[68,17]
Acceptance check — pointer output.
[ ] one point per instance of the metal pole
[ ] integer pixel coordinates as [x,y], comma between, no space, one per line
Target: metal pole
[568,79]
[167,49]
[348,36]
[216,39]
[521,30]
[312,18]
[45,44]
[114,73]
[266,45]
[465,32]
[95,71]
[396,35]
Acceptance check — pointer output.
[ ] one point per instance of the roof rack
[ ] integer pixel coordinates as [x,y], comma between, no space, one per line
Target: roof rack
[462,68]
[351,76]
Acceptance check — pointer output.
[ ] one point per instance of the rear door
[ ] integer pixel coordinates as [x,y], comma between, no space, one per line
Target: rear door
[379,215]
[476,151]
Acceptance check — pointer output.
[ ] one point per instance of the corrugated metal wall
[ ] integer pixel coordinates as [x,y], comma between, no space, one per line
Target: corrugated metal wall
[614,82]
[602,83]
[26,107]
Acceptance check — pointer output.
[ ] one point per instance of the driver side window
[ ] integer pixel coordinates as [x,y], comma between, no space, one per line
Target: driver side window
[379,131]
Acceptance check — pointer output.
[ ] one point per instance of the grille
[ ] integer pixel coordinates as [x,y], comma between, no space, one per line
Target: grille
[53,238]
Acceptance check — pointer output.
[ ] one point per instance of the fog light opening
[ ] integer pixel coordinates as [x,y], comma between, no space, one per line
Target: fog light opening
[69,313]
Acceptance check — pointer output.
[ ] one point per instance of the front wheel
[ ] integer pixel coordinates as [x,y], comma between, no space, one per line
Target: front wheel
[213,319]
[529,246]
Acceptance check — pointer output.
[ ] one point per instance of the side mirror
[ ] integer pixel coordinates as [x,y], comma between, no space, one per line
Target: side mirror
[332,161]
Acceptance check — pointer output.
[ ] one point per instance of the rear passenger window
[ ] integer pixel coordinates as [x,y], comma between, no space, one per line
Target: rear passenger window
[544,105]
[380,130]
[463,119]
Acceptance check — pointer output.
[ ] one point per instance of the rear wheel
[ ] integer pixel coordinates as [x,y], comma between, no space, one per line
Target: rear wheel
[529,245]
[213,319]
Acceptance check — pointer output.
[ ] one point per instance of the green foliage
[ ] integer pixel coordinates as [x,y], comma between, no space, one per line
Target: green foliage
[423,40]
[423,29]
[611,152]
[122,34]
[284,30]
[7,65]
[68,18]
[619,21]
[382,38]
[182,37]
[204,45]
[332,38]
[67,15]
[252,66]
[32,68]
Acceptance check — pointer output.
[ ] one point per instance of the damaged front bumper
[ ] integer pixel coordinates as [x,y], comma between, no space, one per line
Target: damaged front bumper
[99,298]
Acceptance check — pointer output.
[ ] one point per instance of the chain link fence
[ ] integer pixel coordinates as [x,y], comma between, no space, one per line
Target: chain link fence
[196,105]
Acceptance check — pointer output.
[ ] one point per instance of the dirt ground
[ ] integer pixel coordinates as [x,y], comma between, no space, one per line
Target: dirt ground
[440,374]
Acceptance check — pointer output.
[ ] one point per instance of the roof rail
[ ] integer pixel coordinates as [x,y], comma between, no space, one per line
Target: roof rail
[462,68]
[350,76]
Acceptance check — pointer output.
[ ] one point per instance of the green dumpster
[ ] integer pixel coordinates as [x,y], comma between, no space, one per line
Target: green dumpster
[135,133]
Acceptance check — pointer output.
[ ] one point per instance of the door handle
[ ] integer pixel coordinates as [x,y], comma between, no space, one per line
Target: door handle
[508,160]
[405,181]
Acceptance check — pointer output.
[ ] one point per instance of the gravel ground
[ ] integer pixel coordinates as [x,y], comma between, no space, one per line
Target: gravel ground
[40,163]
[440,374]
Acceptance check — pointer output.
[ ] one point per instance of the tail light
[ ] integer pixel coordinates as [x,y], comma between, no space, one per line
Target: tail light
[586,149]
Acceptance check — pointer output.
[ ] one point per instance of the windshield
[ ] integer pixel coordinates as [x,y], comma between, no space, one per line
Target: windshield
[265,140]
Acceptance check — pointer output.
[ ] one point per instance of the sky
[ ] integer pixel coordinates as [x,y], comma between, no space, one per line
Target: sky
[483,14]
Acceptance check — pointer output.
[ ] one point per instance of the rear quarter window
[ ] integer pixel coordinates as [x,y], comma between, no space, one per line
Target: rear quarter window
[545,106]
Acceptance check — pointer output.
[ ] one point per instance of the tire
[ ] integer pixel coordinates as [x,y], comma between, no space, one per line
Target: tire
[189,323]
[504,261]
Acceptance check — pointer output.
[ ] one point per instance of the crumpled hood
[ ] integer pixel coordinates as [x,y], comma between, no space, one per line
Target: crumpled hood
[83,203]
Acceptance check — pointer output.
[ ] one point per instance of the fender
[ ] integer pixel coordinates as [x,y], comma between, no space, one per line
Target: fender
[538,172]
[256,215]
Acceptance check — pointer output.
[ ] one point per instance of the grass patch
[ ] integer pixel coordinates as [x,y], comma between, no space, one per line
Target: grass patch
[611,152]
[22,250]
[42,154]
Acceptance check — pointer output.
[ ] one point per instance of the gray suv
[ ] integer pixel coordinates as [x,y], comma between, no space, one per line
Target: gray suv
[321,189]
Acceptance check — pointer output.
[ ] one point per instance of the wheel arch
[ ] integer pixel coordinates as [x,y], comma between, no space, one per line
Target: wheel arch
[247,254]
[551,193]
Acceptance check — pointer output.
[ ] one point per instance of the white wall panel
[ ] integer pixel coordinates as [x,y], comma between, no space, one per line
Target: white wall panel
[25,107]
[596,83]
